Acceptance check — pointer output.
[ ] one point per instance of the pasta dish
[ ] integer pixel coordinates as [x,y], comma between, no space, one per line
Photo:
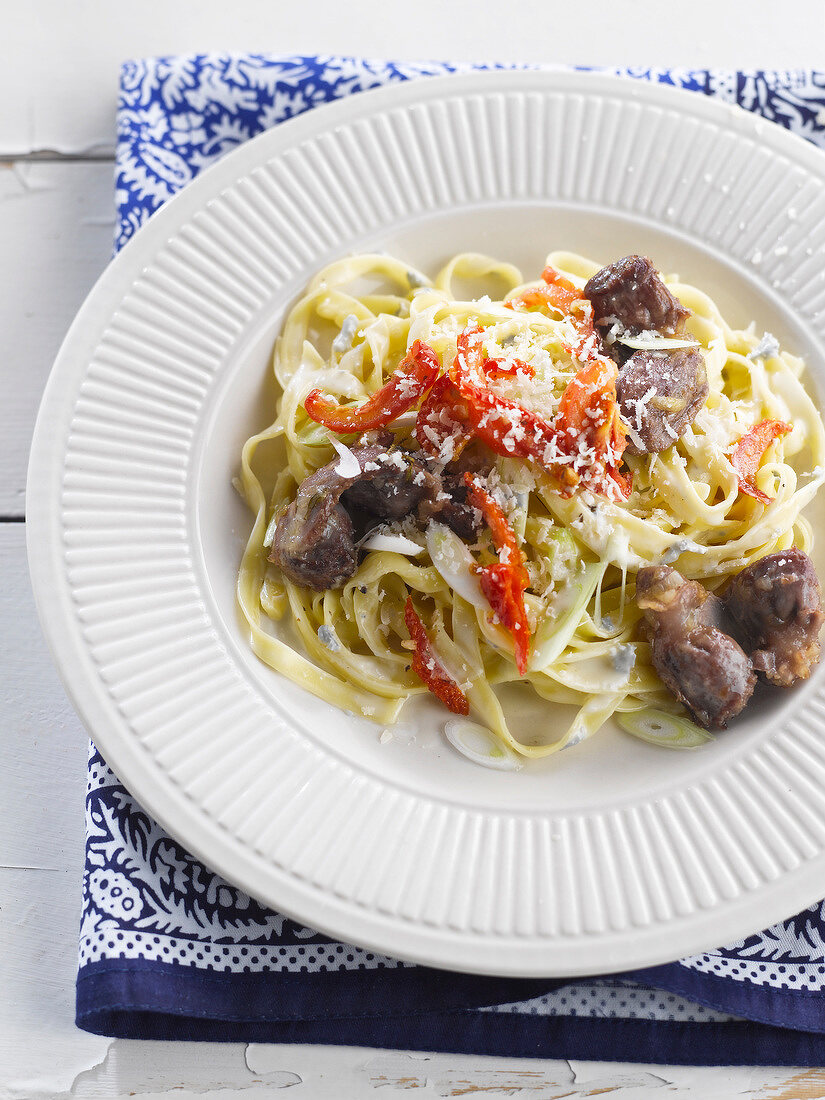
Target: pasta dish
[588,487]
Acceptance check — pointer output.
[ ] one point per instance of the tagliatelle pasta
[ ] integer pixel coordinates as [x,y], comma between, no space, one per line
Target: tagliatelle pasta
[583,527]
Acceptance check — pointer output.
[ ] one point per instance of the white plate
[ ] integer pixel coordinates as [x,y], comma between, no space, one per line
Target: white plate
[609,856]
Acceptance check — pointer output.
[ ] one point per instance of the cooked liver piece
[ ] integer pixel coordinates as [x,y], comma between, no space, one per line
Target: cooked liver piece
[393,490]
[776,608]
[314,546]
[315,539]
[631,293]
[659,395]
[701,665]
[454,511]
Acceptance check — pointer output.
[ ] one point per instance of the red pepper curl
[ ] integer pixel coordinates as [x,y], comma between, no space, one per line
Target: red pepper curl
[588,410]
[749,451]
[464,407]
[557,293]
[404,388]
[429,669]
[504,582]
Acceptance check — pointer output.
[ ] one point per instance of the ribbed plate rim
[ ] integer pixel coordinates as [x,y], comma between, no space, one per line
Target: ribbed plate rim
[160,797]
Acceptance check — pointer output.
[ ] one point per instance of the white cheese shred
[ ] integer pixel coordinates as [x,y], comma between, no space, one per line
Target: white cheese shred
[348,466]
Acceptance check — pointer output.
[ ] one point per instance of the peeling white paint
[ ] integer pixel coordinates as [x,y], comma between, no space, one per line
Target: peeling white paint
[20,179]
[593,1077]
[50,1068]
[56,229]
[267,1060]
[135,1068]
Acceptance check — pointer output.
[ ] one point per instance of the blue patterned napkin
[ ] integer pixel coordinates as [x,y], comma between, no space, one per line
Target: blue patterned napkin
[170,951]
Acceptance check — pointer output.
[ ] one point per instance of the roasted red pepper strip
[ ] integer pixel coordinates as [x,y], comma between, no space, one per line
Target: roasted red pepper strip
[462,406]
[414,376]
[428,668]
[749,451]
[443,425]
[589,345]
[458,415]
[588,411]
[557,293]
[508,368]
[506,427]
[504,582]
[503,534]
[506,598]
[469,360]
[560,294]
[553,277]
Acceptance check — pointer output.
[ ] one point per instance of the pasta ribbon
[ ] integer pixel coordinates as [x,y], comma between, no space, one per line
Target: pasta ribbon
[485,373]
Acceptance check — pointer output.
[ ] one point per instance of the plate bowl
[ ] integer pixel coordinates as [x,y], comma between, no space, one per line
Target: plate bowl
[611,856]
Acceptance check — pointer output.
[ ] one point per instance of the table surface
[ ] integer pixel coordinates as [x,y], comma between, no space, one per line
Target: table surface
[58,85]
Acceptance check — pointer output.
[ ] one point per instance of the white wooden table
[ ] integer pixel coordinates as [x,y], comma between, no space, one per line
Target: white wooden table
[58,81]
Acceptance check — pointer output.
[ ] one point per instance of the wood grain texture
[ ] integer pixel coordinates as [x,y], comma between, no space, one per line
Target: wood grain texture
[61,60]
[341,1073]
[56,226]
[42,782]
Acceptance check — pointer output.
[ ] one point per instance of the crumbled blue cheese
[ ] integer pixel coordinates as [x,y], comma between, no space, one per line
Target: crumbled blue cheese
[623,657]
[767,348]
[343,341]
[328,638]
[681,546]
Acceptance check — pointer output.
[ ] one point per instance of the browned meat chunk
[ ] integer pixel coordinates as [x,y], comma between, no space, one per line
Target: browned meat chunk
[314,541]
[314,545]
[630,293]
[676,603]
[776,608]
[393,489]
[700,664]
[450,506]
[708,672]
[659,395]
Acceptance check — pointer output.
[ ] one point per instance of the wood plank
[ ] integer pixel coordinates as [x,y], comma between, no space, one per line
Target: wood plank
[342,1073]
[42,783]
[56,225]
[43,1056]
[61,61]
